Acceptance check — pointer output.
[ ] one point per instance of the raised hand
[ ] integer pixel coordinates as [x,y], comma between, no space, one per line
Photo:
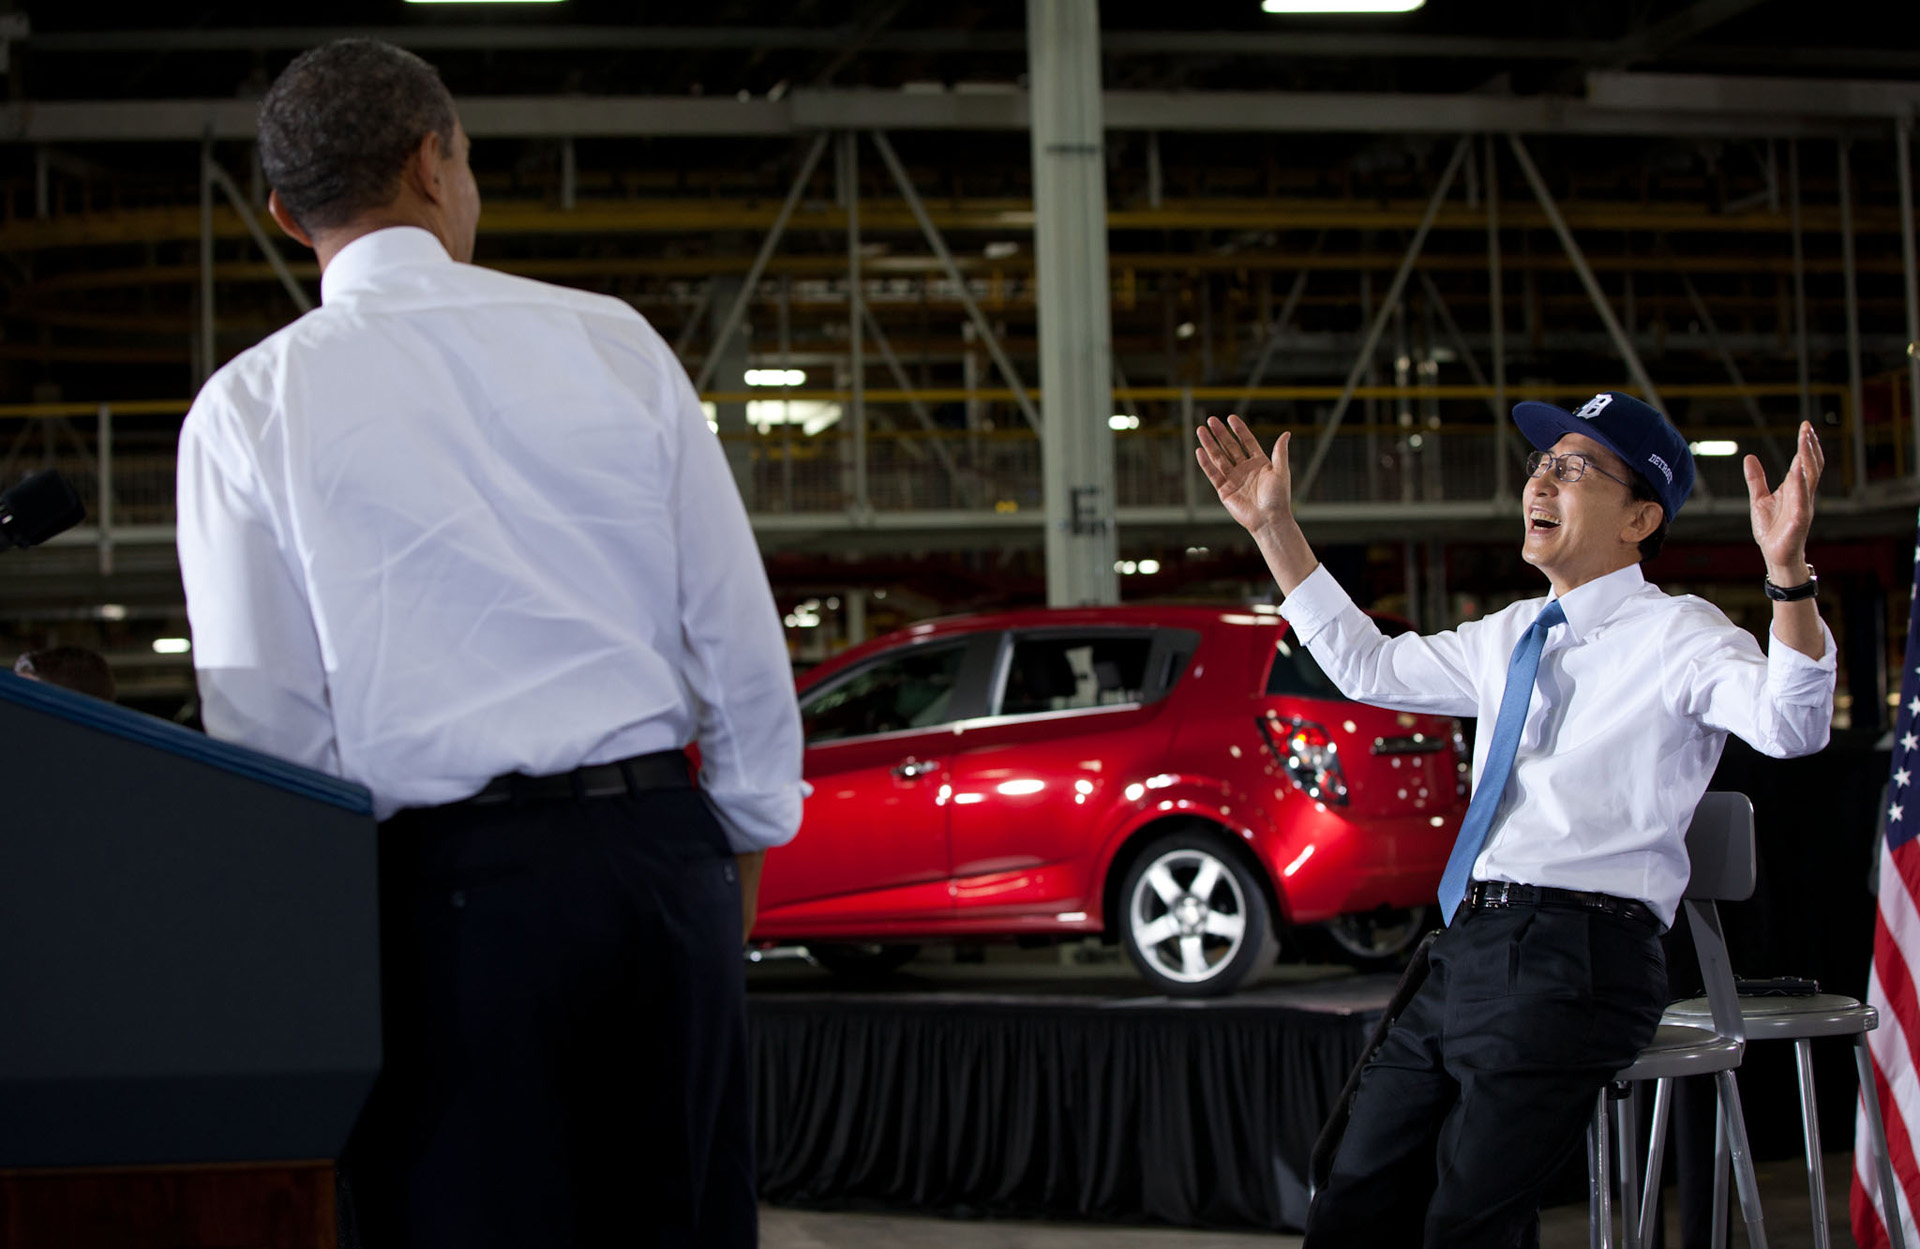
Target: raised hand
[1257,490]
[1781,517]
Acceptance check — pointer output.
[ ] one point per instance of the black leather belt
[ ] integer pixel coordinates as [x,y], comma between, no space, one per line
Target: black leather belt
[1490,894]
[663,769]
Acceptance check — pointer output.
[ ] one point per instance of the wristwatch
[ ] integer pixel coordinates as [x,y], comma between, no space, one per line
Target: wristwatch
[1794,593]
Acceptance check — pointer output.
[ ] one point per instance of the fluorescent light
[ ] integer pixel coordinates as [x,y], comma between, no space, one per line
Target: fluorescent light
[1121,420]
[1714,447]
[171,646]
[776,377]
[1340,6]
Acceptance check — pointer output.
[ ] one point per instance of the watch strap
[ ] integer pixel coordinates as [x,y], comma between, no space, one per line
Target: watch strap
[1794,593]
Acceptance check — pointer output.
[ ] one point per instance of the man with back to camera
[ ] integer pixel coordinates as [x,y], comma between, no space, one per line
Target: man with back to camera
[1571,859]
[468,539]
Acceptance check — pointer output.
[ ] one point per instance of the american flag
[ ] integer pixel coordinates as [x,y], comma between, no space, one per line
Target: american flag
[1891,984]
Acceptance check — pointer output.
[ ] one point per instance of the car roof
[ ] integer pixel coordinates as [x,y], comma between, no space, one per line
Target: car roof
[1137,615]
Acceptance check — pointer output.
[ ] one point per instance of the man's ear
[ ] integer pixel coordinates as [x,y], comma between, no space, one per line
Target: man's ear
[277,209]
[423,168]
[1646,519]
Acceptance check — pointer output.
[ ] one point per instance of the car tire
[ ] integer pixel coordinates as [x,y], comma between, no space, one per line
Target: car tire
[1194,917]
[862,960]
[1375,940]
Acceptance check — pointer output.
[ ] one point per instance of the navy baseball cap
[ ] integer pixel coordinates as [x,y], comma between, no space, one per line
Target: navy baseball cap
[1644,439]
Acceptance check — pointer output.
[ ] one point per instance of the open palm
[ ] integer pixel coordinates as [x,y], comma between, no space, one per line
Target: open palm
[1256,489]
[1781,517]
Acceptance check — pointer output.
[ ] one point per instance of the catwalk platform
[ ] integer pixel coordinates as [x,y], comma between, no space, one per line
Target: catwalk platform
[1050,1091]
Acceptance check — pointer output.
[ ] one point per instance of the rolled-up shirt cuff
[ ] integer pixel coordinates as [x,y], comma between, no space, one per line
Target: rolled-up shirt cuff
[1793,677]
[1315,603]
[756,820]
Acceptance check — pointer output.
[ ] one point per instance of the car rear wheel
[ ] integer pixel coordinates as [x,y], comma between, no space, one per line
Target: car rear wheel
[1194,918]
[1377,939]
[862,960]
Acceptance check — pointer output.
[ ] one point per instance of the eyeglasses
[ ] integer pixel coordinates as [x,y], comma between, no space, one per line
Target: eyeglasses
[1568,468]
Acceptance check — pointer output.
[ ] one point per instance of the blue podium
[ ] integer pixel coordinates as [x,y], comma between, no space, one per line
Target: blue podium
[189,944]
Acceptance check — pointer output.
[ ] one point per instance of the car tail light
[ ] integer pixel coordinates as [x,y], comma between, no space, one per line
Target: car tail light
[1462,761]
[1309,755]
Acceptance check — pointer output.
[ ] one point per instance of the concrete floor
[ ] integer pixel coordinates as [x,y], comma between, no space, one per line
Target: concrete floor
[1783,1195]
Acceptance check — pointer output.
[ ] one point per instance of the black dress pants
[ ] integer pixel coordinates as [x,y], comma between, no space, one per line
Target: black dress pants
[1486,1082]
[565,1032]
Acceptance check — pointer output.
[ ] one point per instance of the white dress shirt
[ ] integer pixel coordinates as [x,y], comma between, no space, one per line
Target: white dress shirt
[454,524]
[1636,694]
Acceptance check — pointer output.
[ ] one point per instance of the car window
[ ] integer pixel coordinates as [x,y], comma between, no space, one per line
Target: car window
[1294,670]
[1066,673]
[909,690]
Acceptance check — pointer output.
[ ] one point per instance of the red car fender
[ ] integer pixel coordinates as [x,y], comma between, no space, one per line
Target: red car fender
[1167,798]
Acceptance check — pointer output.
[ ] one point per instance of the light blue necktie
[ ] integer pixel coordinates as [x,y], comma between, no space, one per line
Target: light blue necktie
[1521,670]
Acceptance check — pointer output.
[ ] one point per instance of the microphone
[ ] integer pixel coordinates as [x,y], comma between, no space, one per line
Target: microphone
[38,508]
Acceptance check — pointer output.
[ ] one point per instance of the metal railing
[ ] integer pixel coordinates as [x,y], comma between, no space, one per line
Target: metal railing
[1423,444]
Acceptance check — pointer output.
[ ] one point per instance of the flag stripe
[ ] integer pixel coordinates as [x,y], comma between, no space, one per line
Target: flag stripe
[1895,1046]
[1899,1148]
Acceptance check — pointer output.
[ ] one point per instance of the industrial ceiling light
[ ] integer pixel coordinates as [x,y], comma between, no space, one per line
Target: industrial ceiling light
[485,1]
[1340,6]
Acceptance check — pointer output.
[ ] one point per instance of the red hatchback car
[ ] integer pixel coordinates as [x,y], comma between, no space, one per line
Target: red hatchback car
[1182,780]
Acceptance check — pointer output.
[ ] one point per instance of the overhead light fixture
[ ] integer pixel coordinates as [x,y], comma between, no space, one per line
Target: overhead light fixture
[1340,6]
[776,377]
[1714,447]
[171,646]
[485,1]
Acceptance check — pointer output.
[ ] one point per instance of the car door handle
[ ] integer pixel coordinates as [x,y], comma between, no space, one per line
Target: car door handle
[913,769]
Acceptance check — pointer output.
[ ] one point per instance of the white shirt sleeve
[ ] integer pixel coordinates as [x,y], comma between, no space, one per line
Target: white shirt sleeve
[262,680]
[737,667]
[1780,703]
[1408,673]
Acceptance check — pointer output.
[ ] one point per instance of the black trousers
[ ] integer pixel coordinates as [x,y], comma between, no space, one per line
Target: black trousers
[1485,1084]
[565,1032]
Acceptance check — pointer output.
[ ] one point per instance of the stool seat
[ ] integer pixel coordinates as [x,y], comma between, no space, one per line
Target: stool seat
[1683,1048]
[1783,1017]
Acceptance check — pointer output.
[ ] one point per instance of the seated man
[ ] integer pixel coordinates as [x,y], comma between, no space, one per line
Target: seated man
[1603,709]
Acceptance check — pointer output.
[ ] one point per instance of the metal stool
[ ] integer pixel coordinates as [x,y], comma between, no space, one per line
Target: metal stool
[1800,1020]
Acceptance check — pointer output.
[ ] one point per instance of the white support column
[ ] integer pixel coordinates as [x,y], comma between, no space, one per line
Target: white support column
[1076,348]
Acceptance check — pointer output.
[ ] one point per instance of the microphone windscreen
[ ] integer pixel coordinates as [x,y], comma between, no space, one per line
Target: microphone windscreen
[39,507]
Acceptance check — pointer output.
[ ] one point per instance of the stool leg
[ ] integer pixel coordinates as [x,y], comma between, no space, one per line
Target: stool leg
[1656,1156]
[1744,1178]
[1628,1142]
[1720,1171]
[1599,1182]
[1889,1189]
[1810,1126]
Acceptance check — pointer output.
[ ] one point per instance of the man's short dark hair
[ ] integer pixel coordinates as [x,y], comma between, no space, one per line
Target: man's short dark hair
[1643,492]
[70,667]
[339,123]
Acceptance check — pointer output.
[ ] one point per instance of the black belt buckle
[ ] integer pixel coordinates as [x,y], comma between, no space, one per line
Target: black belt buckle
[1493,894]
